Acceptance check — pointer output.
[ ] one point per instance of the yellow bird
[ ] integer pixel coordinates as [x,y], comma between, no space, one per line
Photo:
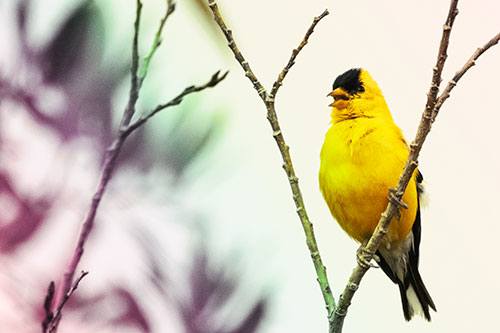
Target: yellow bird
[362,157]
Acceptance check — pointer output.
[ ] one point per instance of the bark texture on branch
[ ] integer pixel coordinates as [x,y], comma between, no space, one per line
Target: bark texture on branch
[268,99]
[67,287]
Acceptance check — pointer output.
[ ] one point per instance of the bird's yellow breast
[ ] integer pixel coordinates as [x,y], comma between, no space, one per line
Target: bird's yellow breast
[360,160]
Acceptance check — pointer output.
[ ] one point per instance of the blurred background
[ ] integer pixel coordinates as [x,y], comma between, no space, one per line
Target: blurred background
[197,231]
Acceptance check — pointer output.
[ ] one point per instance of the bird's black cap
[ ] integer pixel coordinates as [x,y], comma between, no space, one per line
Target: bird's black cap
[350,82]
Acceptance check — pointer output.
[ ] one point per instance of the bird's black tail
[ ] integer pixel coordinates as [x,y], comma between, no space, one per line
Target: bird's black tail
[414,296]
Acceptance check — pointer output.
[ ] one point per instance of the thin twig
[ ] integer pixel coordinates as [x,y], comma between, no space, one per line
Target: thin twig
[442,56]
[396,195]
[237,54]
[47,304]
[458,75]
[157,41]
[295,52]
[268,100]
[134,83]
[175,101]
[57,314]
[113,150]
[110,159]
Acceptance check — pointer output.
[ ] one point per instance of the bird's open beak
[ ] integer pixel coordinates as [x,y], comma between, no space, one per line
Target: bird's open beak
[338,94]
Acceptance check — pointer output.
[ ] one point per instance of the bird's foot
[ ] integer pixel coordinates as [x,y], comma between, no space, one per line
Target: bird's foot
[362,255]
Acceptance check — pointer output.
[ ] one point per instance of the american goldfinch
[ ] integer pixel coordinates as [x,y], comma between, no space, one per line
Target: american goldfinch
[362,157]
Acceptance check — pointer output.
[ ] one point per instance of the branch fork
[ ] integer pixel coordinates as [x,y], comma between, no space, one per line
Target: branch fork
[268,100]
[434,103]
[51,320]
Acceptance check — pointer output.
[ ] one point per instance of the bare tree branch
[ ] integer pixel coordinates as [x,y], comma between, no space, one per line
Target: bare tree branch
[236,51]
[57,314]
[113,150]
[175,101]
[442,56]
[458,75]
[277,84]
[47,304]
[157,41]
[134,84]
[395,195]
[268,100]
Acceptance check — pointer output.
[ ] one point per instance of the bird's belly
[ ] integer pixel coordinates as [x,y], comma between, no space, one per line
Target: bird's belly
[356,200]
[356,188]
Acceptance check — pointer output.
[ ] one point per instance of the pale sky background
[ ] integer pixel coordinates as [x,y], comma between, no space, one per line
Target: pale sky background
[245,190]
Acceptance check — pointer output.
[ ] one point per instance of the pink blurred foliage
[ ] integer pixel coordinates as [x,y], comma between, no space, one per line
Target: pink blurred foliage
[55,124]
[129,312]
[26,216]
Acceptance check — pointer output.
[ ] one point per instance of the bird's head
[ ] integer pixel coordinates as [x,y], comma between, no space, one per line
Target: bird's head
[353,84]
